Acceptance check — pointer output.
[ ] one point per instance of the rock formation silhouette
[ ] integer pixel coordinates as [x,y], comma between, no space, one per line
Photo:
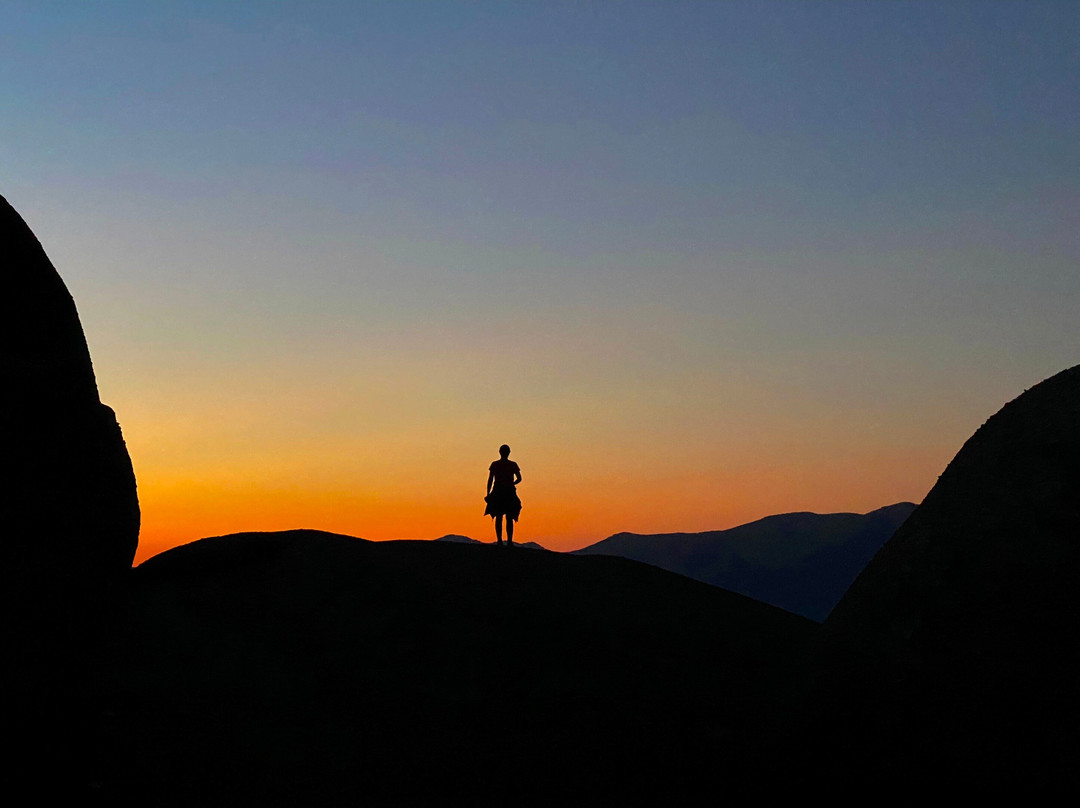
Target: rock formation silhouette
[71,512]
[955,652]
[70,524]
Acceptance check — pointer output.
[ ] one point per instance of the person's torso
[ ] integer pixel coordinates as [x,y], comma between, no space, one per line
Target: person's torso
[503,471]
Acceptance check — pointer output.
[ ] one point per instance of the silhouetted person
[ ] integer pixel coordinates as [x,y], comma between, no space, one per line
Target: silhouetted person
[502,499]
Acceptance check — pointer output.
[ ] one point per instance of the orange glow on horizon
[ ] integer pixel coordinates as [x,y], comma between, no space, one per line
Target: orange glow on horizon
[401,450]
[555,514]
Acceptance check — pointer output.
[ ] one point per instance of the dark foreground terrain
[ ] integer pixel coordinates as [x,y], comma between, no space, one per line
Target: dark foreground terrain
[320,666]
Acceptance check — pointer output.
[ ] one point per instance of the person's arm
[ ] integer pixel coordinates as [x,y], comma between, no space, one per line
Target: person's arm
[491,479]
[517,474]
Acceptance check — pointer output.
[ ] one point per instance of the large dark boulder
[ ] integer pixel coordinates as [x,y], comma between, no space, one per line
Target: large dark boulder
[71,513]
[957,651]
[69,525]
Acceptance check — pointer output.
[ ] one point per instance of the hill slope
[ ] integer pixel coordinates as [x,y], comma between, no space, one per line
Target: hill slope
[314,666]
[956,649]
[802,562]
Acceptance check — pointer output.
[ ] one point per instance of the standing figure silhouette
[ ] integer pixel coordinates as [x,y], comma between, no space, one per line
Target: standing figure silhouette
[502,499]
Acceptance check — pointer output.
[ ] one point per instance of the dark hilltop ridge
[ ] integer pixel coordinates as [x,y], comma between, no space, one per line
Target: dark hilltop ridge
[459,539]
[802,562]
[304,665]
[308,668]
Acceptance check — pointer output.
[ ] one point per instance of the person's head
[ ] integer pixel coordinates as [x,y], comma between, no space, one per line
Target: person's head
[504,451]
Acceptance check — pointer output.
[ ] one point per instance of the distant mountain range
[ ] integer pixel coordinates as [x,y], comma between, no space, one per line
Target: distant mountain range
[801,562]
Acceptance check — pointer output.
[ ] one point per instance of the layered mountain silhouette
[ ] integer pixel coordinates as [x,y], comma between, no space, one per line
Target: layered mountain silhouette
[311,668]
[802,562]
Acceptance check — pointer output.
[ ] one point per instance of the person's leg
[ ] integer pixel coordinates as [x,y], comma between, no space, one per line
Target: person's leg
[509,530]
[498,528]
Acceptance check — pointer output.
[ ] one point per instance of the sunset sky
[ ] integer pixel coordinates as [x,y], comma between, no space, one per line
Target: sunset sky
[695,262]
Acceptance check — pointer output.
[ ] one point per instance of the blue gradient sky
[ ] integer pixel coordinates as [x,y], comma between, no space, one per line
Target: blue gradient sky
[696,262]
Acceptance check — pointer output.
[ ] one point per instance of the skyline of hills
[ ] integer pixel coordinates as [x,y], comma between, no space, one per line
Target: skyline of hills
[802,562]
[952,659]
